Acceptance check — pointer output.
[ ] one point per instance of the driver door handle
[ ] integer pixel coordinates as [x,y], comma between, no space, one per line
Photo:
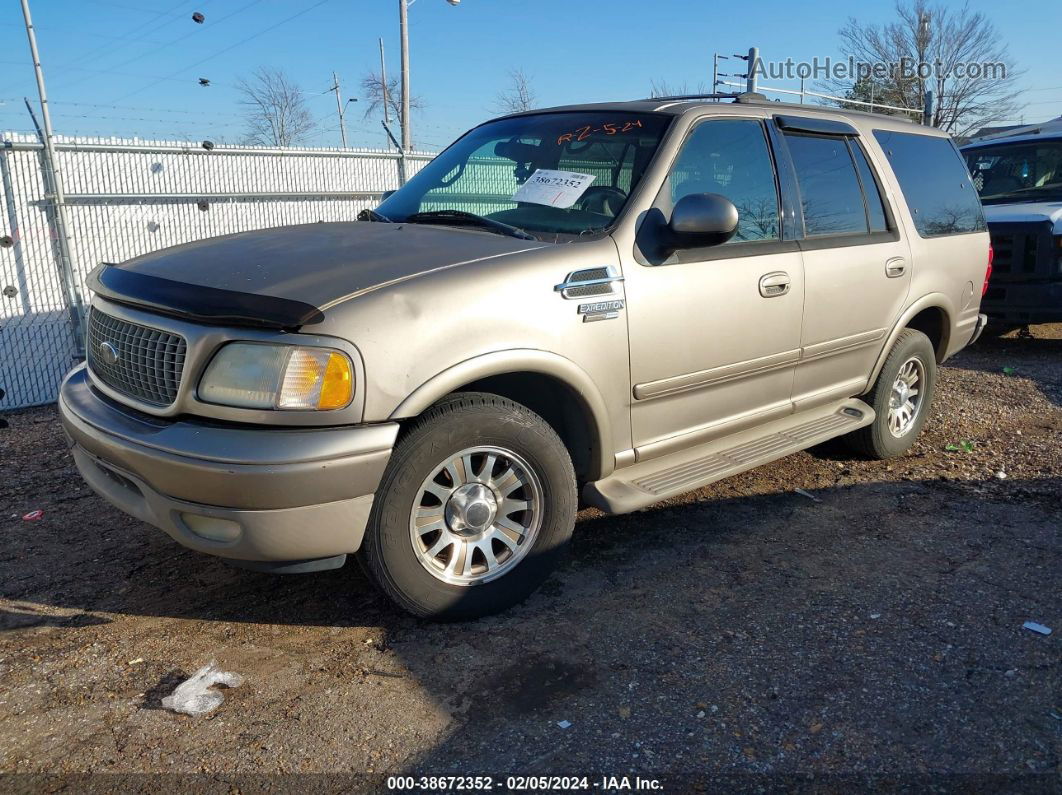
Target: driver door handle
[774,284]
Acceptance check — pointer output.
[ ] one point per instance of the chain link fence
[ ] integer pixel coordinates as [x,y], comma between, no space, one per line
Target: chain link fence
[126,198]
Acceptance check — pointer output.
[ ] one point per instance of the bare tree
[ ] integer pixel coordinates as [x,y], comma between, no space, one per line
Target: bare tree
[519,96]
[376,94]
[946,40]
[662,88]
[275,109]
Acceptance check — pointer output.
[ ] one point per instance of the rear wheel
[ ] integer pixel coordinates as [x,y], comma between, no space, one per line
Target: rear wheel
[900,398]
[476,506]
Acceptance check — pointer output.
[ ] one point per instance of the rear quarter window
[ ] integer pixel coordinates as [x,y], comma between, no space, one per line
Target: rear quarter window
[935,183]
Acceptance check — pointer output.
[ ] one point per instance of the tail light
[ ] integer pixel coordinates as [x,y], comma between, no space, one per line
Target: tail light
[988,270]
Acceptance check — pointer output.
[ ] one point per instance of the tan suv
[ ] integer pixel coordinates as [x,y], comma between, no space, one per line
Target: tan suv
[620,301]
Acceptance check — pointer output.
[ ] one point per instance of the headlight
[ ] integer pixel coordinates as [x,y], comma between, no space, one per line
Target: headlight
[262,376]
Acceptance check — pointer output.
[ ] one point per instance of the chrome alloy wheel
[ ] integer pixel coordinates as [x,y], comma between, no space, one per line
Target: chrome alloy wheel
[476,516]
[906,399]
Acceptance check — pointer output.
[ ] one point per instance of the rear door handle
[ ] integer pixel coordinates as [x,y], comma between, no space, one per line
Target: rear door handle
[774,284]
[895,267]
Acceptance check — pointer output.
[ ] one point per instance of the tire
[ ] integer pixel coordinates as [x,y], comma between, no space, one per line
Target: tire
[878,440]
[429,464]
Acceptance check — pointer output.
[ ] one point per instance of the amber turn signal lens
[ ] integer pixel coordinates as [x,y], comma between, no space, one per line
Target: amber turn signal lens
[337,387]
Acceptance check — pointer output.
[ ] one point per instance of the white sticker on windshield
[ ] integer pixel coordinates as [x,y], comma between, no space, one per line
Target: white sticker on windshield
[553,188]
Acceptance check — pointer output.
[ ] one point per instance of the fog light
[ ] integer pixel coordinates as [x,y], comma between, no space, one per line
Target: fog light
[212,528]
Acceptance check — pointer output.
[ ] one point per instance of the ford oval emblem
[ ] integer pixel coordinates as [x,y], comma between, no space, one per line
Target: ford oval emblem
[108,353]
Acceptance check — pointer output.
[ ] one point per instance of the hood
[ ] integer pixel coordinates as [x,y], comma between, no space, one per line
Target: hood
[285,277]
[1032,212]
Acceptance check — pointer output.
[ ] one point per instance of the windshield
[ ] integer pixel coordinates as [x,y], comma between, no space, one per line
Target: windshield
[548,174]
[1027,171]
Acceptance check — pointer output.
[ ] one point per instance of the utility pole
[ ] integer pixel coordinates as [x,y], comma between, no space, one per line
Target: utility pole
[753,58]
[403,24]
[384,92]
[339,107]
[927,110]
[55,184]
[922,45]
[383,86]
[716,58]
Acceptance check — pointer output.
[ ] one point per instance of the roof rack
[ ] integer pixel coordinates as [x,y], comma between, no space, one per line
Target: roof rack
[756,98]
[744,96]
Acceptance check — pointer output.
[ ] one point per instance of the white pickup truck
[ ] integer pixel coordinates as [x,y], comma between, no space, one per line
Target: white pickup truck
[1019,178]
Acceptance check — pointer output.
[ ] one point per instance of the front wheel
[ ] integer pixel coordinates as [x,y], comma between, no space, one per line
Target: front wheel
[474,510]
[900,398]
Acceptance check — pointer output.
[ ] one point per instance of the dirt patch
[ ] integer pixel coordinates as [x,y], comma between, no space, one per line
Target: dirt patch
[743,629]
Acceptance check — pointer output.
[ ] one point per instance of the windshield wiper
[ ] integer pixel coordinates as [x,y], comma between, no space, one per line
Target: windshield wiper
[372,215]
[460,217]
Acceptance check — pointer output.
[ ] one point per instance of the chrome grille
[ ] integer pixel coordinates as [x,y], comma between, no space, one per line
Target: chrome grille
[148,363]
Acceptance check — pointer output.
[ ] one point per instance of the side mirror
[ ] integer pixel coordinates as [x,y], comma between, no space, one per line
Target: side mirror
[387,194]
[702,219]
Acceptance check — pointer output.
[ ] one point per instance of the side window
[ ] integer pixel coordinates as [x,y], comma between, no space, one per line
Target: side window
[935,183]
[730,157]
[875,204]
[830,195]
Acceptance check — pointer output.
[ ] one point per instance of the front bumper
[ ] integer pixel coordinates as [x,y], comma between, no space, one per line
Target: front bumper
[247,493]
[1024,302]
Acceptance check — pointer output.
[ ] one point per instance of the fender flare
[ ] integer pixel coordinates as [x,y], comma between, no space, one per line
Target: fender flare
[522,360]
[931,301]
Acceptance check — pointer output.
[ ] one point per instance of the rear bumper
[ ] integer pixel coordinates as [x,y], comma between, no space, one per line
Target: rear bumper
[256,494]
[979,327]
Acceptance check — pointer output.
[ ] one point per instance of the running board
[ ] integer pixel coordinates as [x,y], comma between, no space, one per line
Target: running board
[644,483]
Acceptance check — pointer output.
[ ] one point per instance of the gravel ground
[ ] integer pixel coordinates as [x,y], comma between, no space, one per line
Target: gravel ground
[744,630]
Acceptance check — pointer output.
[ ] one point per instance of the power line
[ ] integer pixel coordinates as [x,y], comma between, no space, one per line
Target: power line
[140,108]
[134,31]
[110,117]
[155,50]
[226,49]
[91,33]
[124,6]
[158,79]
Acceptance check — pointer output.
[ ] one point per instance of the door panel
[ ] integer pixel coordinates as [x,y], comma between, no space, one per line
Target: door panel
[707,349]
[850,304]
[714,339]
[856,267]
